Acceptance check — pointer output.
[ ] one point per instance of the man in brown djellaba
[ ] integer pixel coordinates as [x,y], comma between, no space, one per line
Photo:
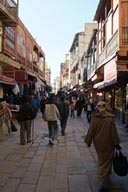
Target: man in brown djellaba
[103,133]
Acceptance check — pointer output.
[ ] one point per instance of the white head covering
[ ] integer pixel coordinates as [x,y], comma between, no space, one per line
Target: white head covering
[106,107]
[100,103]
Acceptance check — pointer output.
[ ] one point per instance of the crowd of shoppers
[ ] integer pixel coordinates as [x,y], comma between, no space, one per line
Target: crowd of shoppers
[102,131]
[64,105]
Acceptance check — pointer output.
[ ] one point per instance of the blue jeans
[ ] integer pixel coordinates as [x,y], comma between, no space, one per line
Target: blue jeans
[53,129]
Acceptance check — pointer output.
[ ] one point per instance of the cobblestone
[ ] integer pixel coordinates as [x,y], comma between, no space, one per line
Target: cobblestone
[68,166]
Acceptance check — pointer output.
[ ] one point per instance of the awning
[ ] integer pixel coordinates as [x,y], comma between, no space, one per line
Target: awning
[99,85]
[110,74]
[39,82]
[110,82]
[7,80]
[104,84]
[42,79]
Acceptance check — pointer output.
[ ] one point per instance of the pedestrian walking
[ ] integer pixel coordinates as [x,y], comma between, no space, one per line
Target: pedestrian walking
[25,117]
[42,104]
[72,108]
[7,117]
[35,104]
[51,115]
[89,110]
[103,133]
[2,112]
[64,113]
[79,106]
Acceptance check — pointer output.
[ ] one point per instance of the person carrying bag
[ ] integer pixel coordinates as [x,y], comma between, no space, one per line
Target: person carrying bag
[102,132]
[120,163]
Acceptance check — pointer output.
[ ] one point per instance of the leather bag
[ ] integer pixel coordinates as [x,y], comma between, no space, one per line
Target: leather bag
[120,163]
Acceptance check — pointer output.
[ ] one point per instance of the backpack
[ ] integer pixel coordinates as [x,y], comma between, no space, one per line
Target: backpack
[64,109]
[26,113]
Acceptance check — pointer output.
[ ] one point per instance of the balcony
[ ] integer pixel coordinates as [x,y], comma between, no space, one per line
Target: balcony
[110,48]
[41,74]
[9,12]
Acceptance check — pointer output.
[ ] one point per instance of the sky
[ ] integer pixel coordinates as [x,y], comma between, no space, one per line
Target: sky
[54,23]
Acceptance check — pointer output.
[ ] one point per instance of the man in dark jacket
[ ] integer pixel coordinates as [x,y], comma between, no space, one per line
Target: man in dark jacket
[64,113]
[25,116]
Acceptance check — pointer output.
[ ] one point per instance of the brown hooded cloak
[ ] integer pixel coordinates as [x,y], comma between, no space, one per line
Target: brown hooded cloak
[103,133]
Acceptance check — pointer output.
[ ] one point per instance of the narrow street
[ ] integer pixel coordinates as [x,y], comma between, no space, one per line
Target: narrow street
[68,166]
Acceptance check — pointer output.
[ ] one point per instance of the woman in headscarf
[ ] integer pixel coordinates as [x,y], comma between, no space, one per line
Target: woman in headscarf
[103,133]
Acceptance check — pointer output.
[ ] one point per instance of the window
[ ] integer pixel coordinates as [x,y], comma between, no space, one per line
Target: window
[124,35]
[10,45]
[10,33]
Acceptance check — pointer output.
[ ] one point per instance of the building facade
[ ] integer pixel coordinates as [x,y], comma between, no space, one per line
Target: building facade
[111,75]
[64,73]
[21,58]
[100,62]
[77,50]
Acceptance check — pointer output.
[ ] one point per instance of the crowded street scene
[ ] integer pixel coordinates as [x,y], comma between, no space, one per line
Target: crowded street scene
[63,96]
[62,163]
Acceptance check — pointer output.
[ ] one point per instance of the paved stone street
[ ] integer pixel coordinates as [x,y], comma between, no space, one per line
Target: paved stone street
[68,166]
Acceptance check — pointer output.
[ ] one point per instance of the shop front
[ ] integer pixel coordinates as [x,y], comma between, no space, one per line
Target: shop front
[114,88]
[6,85]
[21,78]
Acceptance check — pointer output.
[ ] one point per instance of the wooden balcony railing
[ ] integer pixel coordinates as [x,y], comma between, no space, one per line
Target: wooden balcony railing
[41,73]
[109,49]
[9,12]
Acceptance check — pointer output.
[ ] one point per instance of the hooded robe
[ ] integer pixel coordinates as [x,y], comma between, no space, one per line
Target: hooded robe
[103,133]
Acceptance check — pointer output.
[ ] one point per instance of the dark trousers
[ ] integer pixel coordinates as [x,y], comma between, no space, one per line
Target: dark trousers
[63,123]
[72,113]
[89,116]
[25,131]
[79,111]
